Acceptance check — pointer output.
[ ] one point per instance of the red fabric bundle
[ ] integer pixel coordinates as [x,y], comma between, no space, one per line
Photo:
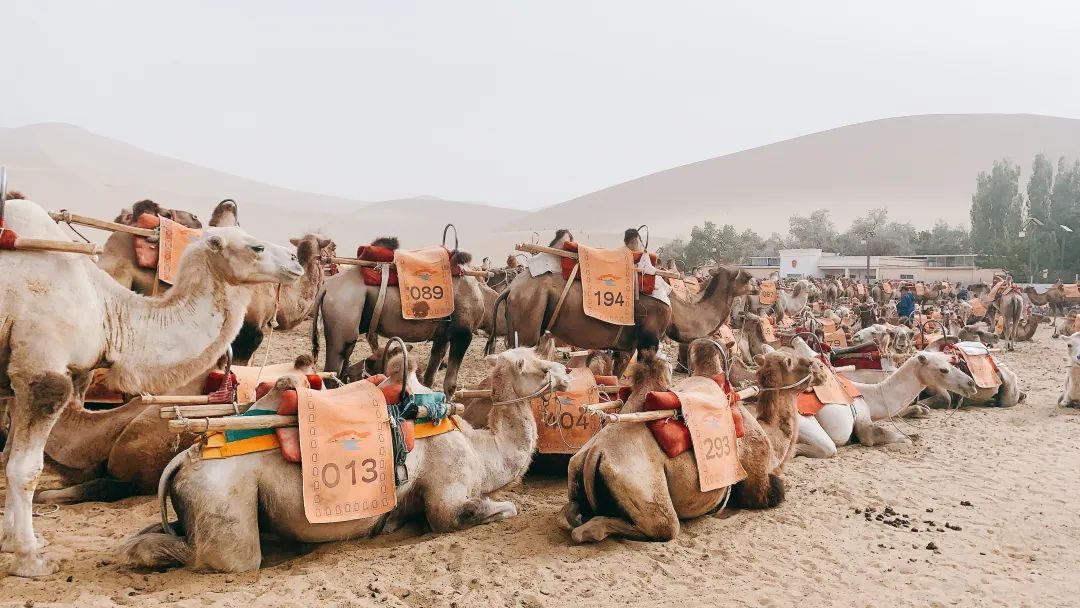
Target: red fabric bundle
[867,357]
[606,380]
[672,435]
[7,237]
[646,282]
[146,253]
[217,389]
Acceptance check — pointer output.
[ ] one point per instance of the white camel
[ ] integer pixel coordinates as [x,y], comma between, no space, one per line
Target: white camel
[61,317]
[836,424]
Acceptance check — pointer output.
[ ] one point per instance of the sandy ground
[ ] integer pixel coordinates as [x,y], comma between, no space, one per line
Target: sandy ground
[1017,544]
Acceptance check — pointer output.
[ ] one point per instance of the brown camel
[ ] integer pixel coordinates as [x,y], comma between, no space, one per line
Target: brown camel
[347,306]
[622,483]
[451,477]
[531,301]
[283,307]
[66,317]
[122,450]
[1054,296]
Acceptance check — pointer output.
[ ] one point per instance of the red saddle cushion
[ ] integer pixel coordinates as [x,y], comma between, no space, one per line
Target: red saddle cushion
[375,253]
[646,282]
[867,357]
[672,434]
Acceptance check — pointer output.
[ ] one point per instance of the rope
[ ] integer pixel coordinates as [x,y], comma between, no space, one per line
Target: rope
[269,338]
[547,387]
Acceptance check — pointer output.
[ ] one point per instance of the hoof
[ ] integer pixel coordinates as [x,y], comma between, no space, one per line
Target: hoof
[587,534]
[570,516]
[919,411]
[33,566]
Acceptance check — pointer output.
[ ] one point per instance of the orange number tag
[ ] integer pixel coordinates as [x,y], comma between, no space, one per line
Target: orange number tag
[712,431]
[767,293]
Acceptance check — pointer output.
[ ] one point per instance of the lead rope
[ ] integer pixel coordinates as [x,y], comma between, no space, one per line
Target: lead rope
[270,338]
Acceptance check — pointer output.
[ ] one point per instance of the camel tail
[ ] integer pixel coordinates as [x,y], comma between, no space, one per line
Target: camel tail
[152,549]
[489,347]
[589,472]
[315,325]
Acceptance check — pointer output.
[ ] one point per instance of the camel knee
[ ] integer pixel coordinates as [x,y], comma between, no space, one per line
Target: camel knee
[823,449]
[764,494]
[661,529]
[49,393]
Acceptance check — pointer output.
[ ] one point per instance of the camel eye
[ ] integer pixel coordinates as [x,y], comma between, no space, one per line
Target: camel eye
[945,370]
[258,248]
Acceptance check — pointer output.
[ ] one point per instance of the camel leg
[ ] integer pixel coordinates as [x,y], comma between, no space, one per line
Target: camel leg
[37,407]
[576,510]
[225,534]
[440,343]
[814,442]
[871,434]
[460,339]
[96,490]
[644,499]
[761,489]
[448,507]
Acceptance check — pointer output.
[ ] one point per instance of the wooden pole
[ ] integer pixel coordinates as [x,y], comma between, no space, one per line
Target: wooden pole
[82,220]
[369,264]
[168,412]
[746,393]
[473,393]
[26,244]
[176,400]
[531,248]
[251,423]
[594,408]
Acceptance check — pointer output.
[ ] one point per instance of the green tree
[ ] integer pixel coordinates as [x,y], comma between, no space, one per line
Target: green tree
[996,211]
[815,231]
[712,244]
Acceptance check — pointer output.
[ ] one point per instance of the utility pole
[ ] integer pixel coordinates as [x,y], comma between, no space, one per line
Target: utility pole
[869,234]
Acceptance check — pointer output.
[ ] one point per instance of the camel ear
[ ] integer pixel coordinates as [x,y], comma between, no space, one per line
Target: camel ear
[491,359]
[216,243]
[922,358]
[521,364]
[295,242]
[759,360]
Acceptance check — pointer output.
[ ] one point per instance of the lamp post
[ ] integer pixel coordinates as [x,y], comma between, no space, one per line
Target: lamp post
[1061,257]
[869,234]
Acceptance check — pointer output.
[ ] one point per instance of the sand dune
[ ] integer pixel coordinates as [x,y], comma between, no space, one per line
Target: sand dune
[921,167]
[62,166]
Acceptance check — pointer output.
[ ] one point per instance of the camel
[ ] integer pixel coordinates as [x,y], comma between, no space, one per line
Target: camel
[832,292]
[1007,394]
[347,306]
[118,255]
[491,325]
[622,483]
[1054,296]
[283,307]
[1010,305]
[1070,396]
[791,303]
[450,479]
[1029,324]
[531,301]
[67,317]
[121,450]
[835,425]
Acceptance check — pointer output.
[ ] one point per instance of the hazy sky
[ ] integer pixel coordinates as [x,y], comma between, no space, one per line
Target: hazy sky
[515,103]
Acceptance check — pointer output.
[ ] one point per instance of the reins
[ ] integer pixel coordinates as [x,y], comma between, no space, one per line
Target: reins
[547,387]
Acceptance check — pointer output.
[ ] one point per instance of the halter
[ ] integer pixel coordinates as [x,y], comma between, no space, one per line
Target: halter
[725,360]
[782,388]
[547,387]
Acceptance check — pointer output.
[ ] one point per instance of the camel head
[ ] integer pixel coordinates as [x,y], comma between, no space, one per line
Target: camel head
[239,258]
[784,369]
[309,247]
[525,372]
[903,339]
[936,370]
[1074,349]
[225,214]
[708,357]
[733,281]
[377,363]
[562,235]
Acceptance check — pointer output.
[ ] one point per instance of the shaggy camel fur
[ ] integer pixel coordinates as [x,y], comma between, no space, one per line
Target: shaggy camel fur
[1070,397]
[347,306]
[118,255]
[451,478]
[123,450]
[68,317]
[622,483]
[286,306]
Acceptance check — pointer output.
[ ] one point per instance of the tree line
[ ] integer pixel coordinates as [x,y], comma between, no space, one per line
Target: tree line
[1033,232]
[724,244]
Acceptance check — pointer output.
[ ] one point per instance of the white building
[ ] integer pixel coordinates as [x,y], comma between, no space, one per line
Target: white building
[799,263]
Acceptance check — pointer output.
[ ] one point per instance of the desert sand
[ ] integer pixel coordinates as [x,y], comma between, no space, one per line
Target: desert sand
[1017,544]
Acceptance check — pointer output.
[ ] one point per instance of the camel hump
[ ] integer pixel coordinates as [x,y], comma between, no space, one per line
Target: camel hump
[390,242]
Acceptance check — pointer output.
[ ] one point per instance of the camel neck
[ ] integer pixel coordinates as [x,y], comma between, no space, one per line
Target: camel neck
[1074,384]
[898,389]
[155,344]
[507,445]
[693,320]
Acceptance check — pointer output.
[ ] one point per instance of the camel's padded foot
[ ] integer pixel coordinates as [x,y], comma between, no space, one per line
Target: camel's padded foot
[95,490]
[571,516]
[33,566]
[484,511]
[599,528]
[917,410]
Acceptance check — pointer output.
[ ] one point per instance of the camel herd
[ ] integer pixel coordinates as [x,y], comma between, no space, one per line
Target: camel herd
[68,320]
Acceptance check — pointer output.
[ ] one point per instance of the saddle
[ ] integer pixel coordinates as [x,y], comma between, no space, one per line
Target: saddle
[672,434]
[862,356]
[385,255]
[975,360]
[646,282]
